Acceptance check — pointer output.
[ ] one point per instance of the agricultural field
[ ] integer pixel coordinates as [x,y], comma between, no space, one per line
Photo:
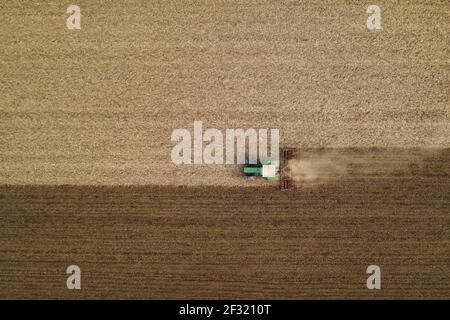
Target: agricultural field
[98,105]
[257,242]
[87,178]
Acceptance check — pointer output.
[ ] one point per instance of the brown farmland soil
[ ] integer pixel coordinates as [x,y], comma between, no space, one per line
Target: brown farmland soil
[223,242]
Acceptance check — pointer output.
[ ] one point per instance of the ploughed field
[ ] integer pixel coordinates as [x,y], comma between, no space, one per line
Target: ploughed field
[243,242]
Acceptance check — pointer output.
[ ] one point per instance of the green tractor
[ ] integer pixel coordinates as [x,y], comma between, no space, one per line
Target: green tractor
[273,170]
[269,170]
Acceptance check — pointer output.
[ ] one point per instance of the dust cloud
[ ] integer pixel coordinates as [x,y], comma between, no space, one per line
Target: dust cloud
[321,165]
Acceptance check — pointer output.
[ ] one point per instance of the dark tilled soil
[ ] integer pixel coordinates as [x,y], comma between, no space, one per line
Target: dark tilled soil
[169,242]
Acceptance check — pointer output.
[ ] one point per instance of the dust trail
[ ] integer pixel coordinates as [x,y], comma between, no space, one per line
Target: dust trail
[319,167]
[322,165]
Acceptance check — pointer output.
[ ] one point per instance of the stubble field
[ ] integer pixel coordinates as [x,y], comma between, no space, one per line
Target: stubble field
[98,105]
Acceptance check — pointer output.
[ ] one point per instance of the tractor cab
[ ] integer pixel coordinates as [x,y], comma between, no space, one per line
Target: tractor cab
[269,170]
[273,170]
